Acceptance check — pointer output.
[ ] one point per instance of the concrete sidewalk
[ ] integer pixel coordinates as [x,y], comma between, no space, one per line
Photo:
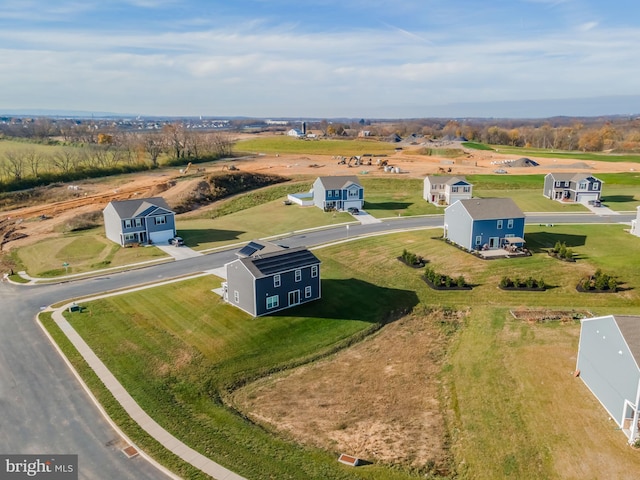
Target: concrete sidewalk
[134,410]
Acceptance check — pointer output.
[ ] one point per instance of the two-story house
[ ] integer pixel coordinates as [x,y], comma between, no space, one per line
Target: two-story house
[484,223]
[608,359]
[142,220]
[338,193]
[572,187]
[443,190]
[267,278]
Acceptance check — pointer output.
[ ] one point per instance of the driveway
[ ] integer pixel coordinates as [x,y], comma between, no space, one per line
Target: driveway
[365,219]
[179,253]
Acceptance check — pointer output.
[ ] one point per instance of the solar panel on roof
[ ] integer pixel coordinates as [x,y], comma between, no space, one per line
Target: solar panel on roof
[250,248]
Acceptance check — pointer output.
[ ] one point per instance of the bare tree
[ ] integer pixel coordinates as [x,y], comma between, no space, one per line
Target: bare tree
[14,164]
[33,159]
[66,160]
[154,146]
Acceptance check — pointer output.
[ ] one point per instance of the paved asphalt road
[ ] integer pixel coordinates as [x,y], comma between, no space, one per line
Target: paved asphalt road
[43,409]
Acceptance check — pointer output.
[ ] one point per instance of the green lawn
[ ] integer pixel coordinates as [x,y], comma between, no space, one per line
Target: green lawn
[575,155]
[83,251]
[178,349]
[286,144]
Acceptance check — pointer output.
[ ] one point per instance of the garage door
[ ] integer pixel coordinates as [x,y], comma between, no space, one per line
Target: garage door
[161,236]
[586,197]
[353,203]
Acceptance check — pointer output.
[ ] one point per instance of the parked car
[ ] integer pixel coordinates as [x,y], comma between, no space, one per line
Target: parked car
[176,241]
[353,210]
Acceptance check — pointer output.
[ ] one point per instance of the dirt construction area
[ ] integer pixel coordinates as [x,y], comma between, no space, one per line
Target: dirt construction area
[377,400]
[27,220]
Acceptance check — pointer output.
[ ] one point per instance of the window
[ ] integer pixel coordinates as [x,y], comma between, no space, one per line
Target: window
[298,275]
[558,184]
[273,301]
[276,280]
[454,189]
[466,189]
[596,186]
[236,296]
[161,220]
[510,223]
[138,222]
[582,186]
[307,292]
[478,239]
[353,193]
[314,271]
[500,224]
[130,237]
[127,224]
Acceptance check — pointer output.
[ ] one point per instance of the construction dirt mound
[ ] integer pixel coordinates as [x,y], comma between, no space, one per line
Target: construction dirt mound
[522,162]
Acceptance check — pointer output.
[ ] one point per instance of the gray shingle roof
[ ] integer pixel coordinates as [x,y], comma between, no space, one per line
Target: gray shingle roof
[447,179]
[629,325]
[338,182]
[573,177]
[491,208]
[139,206]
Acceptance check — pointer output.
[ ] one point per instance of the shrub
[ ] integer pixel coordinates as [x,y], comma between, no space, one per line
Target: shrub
[505,282]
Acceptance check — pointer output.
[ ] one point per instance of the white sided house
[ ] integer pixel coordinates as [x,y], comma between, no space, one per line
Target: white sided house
[635,224]
[608,359]
[444,190]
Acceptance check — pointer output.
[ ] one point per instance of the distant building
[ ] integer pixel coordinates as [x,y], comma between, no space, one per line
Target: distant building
[294,132]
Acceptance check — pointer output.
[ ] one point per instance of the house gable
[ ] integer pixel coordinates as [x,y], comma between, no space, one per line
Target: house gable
[608,353]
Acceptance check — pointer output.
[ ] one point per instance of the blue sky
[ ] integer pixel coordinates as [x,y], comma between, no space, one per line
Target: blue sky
[321,58]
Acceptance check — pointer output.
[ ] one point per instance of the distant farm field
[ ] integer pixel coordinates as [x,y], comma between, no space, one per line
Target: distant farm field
[179,348]
[572,155]
[291,145]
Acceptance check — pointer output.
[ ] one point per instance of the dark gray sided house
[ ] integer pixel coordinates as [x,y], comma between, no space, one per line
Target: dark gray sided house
[267,278]
[572,187]
[338,192]
[608,359]
[484,223]
[143,220]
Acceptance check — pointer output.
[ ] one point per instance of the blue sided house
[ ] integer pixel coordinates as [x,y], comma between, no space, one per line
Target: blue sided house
[142,220]
[484,224]
[608,359]
[267,278]
[338,193]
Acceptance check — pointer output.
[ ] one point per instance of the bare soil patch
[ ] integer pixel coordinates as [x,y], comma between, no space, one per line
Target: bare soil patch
[546,315]
[378,400]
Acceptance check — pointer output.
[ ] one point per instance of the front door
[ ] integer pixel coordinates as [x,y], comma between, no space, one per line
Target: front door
[494,242]
[294,297]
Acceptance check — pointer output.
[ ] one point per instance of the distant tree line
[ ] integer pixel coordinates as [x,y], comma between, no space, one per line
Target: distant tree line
[95,152]
[613,134]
